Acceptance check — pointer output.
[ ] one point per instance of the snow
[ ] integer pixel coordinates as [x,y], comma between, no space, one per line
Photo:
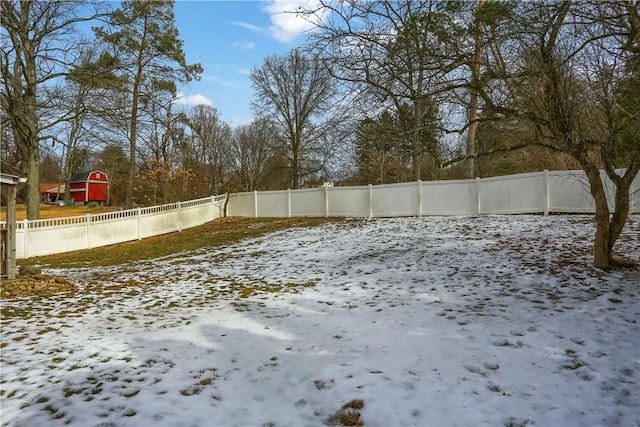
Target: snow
[433,321]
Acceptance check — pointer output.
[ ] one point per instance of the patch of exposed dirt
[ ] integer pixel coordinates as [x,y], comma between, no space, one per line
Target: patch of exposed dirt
[348,415]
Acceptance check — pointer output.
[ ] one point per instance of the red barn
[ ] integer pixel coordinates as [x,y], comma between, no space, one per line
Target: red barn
[88,187]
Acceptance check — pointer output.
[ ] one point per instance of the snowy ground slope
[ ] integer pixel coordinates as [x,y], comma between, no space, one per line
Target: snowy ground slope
[429,321]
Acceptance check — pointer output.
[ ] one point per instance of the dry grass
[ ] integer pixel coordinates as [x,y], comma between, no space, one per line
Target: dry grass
[215,233]
[52,211]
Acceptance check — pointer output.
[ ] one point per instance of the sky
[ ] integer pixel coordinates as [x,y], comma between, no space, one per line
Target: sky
[432,321]
[229,38]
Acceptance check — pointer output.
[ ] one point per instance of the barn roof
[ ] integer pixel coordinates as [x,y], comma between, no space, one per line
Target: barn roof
[83,176]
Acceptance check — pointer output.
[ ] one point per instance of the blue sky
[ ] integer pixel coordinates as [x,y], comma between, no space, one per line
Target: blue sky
[229,38]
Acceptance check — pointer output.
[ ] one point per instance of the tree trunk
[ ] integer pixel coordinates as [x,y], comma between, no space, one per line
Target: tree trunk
[29,148]
[602,245]
[622,205]
[619,217]
[31,137]
[133,127]
[33,181]
[33,157]
[67,175]
[295,171]
[470,169]
[128,198]
[226,204]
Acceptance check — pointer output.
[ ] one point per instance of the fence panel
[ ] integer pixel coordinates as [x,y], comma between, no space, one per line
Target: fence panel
[391,200]
[196,212]
[513,194]
[456,197]
[242,204]
[159,222]
[348,201]
[308,202]
[51,240]
[273,204]
[569,192]
[112,231]
[20,247]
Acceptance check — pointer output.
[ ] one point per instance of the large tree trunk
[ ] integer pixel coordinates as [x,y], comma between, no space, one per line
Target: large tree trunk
[33,181]
[416,149]
[470,167]
[133,128]
[128,198]
[28,167]
[622,203]
[295,170]
[30,123]
[416,157]
[602,244]
[601,251]
[609,225]
[33,156]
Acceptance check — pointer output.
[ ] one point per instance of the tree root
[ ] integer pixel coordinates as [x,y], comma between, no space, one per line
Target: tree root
[625,264]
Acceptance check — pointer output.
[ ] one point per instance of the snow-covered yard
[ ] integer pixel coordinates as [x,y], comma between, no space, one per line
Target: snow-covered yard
[436,321]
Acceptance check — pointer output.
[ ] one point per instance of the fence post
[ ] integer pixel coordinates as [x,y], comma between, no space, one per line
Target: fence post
[478,195]
[213,208]
[547,191]
[25,243]
[179,216]
[88,221]
[11,228]
[370,201]
[419,182]
[288,203]
[255,203]
[634,195]
[326,201]
[139,214]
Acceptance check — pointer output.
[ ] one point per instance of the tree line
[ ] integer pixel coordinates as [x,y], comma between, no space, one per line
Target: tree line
[380,92]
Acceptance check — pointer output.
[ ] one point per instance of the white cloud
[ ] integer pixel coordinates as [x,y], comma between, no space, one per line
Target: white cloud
[196,99]
[287,24]
[243,44]
[251,27]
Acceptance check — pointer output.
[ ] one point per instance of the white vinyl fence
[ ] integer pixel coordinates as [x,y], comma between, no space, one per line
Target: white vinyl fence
[538,192]
[52,236]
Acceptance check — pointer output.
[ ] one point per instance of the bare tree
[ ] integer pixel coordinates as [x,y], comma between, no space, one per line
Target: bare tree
[145,43]
[208,152]
[253,145]
[576,85]
[39,45]
[292,90]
